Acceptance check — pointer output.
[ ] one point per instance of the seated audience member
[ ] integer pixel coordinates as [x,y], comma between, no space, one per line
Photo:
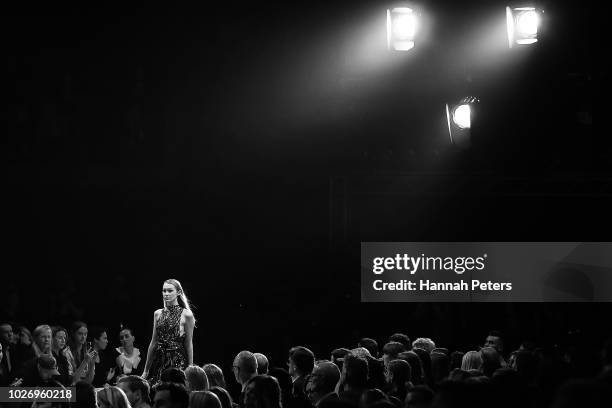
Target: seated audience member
[490,361]
[204,399]
[416,366]
[23,349]
[112,397]
[40,372]
[391,350]
[85,395]
[419,396]
[424,343]
[195,379]
[440,364]
[456,358]
[472,360]
[442,350]
[7,369]
[77,347]
[105,369]
[398,379]
[224,397]
[262,391]
[262,363]
[43,339]
[173,375]
[129,361]
[494,339]
[284,381]
[215,375]
[80,360]
[353,379]
[137,390]
[400,338]
[371,396]
[425,358]
[321,384]
[59,345]
[370,344]
[337,356]
[170,395]
[245,368]
[29,370]
[301,363]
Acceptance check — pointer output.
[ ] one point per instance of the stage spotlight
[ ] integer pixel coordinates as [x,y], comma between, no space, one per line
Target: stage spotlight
[401,28]
[522,24]
[459,118]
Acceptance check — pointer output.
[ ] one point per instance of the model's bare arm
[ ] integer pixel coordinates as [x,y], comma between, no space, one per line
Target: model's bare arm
[152,345]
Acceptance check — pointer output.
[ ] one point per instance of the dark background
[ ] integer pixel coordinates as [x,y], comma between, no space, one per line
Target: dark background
[247,150]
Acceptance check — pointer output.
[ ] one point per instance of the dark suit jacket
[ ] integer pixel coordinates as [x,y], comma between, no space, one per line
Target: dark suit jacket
[297,388]
[4,370]
[298,397]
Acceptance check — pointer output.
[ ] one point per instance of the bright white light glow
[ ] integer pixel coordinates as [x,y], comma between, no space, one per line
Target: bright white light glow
[528,23]
[401,28]
[404,27]
[522,24]
[461,116]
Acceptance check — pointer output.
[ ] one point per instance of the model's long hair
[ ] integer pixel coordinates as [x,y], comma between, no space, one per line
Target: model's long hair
[182,297]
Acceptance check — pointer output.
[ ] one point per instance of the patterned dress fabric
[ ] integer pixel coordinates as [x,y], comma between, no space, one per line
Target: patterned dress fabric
[170,350]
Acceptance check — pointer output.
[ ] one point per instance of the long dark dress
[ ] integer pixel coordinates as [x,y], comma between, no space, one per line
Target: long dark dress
[170,350]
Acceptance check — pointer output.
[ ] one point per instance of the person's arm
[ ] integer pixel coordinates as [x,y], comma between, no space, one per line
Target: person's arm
[84,369]
[152,346]
[189,325]
[91,371]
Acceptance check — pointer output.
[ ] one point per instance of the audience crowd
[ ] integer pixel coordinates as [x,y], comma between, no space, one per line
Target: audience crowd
[400,374]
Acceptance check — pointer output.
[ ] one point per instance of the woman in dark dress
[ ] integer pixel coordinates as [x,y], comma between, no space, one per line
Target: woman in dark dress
[105,368]
[59,336]
[172,340]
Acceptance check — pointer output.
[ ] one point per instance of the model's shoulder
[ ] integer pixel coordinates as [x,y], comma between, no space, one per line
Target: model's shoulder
[157,312]
[187,313]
